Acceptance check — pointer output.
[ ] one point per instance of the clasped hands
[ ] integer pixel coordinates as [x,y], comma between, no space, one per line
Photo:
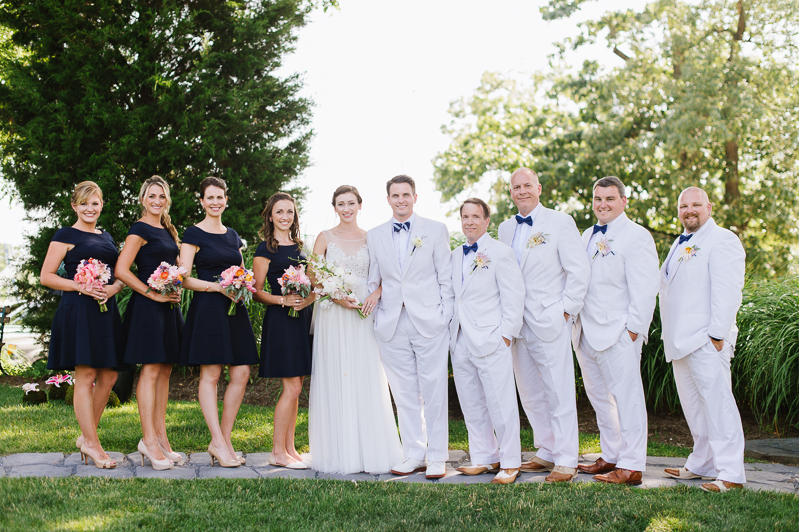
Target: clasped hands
[101,294]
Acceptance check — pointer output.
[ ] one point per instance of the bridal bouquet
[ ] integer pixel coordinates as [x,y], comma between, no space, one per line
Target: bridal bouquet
[93,274]
[237,282]
[334,282]
[167,279]
[294,281]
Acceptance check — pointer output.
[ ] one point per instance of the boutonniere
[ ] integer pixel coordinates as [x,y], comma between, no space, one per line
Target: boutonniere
[688,253]
[537,239]
[603,247]
[480,262]
[417,241]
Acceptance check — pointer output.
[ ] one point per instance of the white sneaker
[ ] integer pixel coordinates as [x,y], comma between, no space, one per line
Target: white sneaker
[436,470]
[408,466]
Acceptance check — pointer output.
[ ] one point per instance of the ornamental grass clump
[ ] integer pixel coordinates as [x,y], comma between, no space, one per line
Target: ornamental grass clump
[766,365]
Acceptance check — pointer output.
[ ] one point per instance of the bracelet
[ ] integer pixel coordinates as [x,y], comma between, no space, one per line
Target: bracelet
[207,287]
[282,299]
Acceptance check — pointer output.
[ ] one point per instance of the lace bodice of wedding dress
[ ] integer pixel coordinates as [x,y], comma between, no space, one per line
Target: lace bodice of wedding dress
[352,255]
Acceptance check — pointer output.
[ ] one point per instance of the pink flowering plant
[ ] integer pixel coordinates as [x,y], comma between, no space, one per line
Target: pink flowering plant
[58,380]
[167,279]
[91,274]
[294,281]
[237,282]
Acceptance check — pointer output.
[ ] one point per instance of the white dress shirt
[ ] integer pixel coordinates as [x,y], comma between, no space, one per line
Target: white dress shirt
[522,234]
[469,259]
[401,240]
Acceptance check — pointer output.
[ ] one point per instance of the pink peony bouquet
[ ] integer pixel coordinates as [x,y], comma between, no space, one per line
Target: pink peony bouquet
[333,282]
[167,279]
[294,281]
[237,282]
[93,274]
[58,380]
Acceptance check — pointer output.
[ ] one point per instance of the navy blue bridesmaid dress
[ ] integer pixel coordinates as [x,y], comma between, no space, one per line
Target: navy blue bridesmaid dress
[285,340]
[82,335]
[153,329]
[210,335]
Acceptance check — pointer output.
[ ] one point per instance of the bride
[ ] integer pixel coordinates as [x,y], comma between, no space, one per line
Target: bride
[351,424]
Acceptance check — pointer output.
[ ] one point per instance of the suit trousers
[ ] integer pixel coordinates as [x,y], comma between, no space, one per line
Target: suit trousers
[416,369]
[704,384]
[545,378]
[487,395]
[612,381]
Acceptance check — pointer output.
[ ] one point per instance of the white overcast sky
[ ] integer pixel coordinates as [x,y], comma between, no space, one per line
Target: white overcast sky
[382,75]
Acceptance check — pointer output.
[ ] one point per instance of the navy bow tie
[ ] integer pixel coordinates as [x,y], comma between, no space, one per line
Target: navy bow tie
[467,249]
[526,220]
[685,238]
[600,229]
[400,226]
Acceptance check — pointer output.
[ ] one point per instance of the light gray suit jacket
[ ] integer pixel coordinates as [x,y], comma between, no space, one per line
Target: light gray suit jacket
[488,302]
[701,296]
[556,273]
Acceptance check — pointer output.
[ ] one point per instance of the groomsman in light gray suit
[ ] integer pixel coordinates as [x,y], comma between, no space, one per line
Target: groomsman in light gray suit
[611,329]
[489,304]
[701,288]
[410,260]
[556,273]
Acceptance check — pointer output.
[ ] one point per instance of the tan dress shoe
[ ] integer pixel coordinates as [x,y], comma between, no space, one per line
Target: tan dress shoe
[600,466]
[621,476]
[479,469]
[506,476]
[683,474]
[537,465]
[720,486]
[562,474]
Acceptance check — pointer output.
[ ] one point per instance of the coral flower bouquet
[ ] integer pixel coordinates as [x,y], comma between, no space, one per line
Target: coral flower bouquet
[237,282]
[294,281]
[167,279]
[93,273]
[333,282]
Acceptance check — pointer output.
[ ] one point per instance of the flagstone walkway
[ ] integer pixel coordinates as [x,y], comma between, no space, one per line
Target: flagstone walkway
[774,477]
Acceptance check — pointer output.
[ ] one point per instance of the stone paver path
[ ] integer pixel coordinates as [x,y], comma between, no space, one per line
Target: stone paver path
[774,477]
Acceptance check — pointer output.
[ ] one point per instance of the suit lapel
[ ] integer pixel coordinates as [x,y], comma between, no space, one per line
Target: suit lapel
[473,273]
[457,268]
[417,230]
[539,226]
[586,240]
[389,243]
[670,275]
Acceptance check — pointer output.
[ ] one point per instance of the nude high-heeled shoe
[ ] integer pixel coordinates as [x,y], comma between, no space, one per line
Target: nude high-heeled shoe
[158,465]
[79,444]
[175,457]
[224,463]
[108,463]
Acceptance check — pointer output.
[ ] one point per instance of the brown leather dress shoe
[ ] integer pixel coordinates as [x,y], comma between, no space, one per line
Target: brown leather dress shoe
[600,466]
[621,476]
[721,486]
[562,474]
[536,465]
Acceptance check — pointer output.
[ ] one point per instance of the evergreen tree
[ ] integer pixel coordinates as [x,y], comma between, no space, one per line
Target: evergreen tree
[115,92]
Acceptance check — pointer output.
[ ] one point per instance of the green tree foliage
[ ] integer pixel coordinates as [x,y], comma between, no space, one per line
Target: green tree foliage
[705,93]
[115,92]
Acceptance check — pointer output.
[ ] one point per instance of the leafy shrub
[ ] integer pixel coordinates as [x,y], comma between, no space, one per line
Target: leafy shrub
[113,400]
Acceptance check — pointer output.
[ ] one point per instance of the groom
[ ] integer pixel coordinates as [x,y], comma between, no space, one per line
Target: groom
[409,258]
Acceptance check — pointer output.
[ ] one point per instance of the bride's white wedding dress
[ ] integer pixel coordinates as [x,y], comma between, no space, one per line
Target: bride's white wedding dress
[351,424]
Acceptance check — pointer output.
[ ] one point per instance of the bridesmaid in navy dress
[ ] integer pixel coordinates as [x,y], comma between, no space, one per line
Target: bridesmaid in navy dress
[211,338]
[152,327]
[285,340]
[84,339]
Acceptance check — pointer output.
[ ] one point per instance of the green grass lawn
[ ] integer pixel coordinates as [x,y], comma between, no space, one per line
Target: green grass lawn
[52,428]
[29,504]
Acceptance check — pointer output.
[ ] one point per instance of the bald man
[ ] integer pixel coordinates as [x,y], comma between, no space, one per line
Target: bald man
[701,287]
[556,272]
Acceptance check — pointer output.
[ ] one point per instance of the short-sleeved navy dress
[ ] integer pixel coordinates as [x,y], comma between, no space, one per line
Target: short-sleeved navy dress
[285,340]
[153,329]
[210,336]
[81,334]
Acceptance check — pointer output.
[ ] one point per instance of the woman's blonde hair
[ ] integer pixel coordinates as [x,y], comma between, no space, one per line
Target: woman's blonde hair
[166,221]
[84,191]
